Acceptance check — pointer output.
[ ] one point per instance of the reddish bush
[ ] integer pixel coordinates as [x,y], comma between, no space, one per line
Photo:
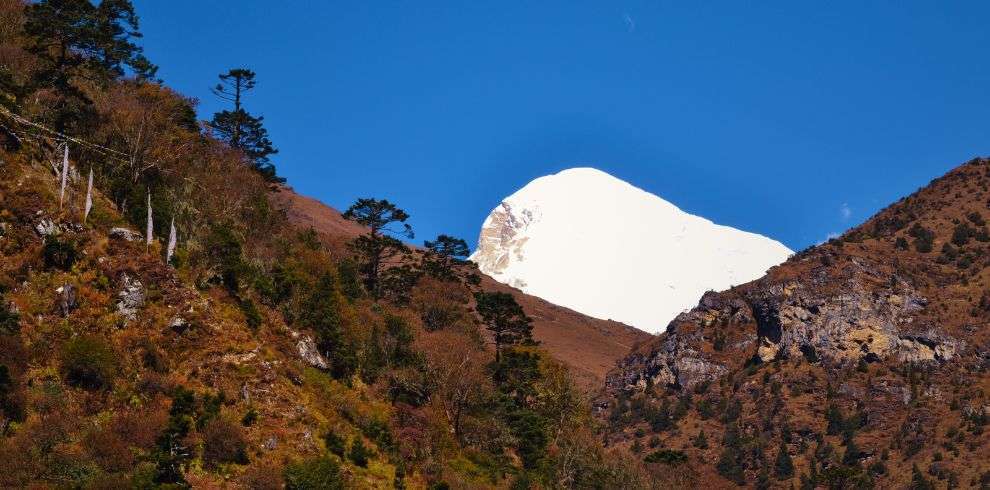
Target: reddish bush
[223,442]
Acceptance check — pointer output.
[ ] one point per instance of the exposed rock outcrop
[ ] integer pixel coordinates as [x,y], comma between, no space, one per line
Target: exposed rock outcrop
[124,234]
[131,297]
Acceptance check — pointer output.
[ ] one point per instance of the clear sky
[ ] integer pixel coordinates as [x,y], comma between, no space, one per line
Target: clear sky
[790,119]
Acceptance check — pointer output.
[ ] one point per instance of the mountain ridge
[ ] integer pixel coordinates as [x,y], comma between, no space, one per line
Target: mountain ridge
[595,243]
[589,346]
[862,361]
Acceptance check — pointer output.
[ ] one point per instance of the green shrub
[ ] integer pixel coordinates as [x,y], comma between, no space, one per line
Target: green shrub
[335,444]
[670,457]
[251,314]
[89,362]
[962,233]
[10,321]
[320,473]
[923,238]
[250,417]
[59,253]
[360,453]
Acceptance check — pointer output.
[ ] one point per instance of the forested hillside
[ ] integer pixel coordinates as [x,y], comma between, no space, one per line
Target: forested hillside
[164,323]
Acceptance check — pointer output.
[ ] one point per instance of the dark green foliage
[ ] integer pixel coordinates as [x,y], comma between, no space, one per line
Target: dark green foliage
[901,243]
[516,373]
[320,313]
[75,40]
[89,362]
[319,473]
[762,479]
[835,420]
[730,466]
[250,417]
[59,253]
[706,409]
[209,408]
[733,408]
[239,128]
[359,453]
[668,457]
[335,444]
[918,480]
[380,433]
[391,347]
[251,314]
[350,283]
[661,419]
[442,254]
[530,431]
[976,218]
[637,446]
[700,442]
[923,238]
[171,453]
[852,454]
[505,319]
[783,466]
[379,253]
[10,321]
[224,250]
[962,233]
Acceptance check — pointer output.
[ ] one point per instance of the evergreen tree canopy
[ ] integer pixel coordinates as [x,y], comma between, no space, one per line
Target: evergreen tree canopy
[505,319]
[239,128]
[76,40]
[378,252]
[441,255]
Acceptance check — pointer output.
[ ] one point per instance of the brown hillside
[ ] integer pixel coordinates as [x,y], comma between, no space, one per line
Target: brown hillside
[865,360]
[589,346]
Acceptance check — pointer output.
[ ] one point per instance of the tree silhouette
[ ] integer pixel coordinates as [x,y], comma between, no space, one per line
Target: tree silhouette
[239,128]
[442,254]
[505,319]
[378,251]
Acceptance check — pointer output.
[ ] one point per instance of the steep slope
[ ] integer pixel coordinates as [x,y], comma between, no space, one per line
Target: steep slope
[590,347]
[588,241]
[864,361]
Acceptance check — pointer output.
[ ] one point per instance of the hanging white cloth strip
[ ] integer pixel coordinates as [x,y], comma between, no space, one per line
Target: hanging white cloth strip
[65,174]
[151,225]
[89,196]
[171,242]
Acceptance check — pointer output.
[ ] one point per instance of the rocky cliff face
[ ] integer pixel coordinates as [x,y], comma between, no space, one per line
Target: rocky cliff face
[877,342]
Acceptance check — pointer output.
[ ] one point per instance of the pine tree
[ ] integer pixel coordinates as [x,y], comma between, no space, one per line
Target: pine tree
[75,40]
[239,128]
[505,319]
[701,442]
[378,251]
[442,254]
[783,467]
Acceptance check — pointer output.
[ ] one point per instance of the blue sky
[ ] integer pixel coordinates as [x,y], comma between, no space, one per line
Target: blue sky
[790,119]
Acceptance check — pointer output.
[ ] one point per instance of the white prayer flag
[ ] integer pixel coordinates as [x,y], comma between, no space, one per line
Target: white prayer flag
[65,174]
[151,225]
[89,196]
[171,242]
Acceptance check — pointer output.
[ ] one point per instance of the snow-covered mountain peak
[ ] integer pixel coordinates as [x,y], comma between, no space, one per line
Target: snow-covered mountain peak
[586,240]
